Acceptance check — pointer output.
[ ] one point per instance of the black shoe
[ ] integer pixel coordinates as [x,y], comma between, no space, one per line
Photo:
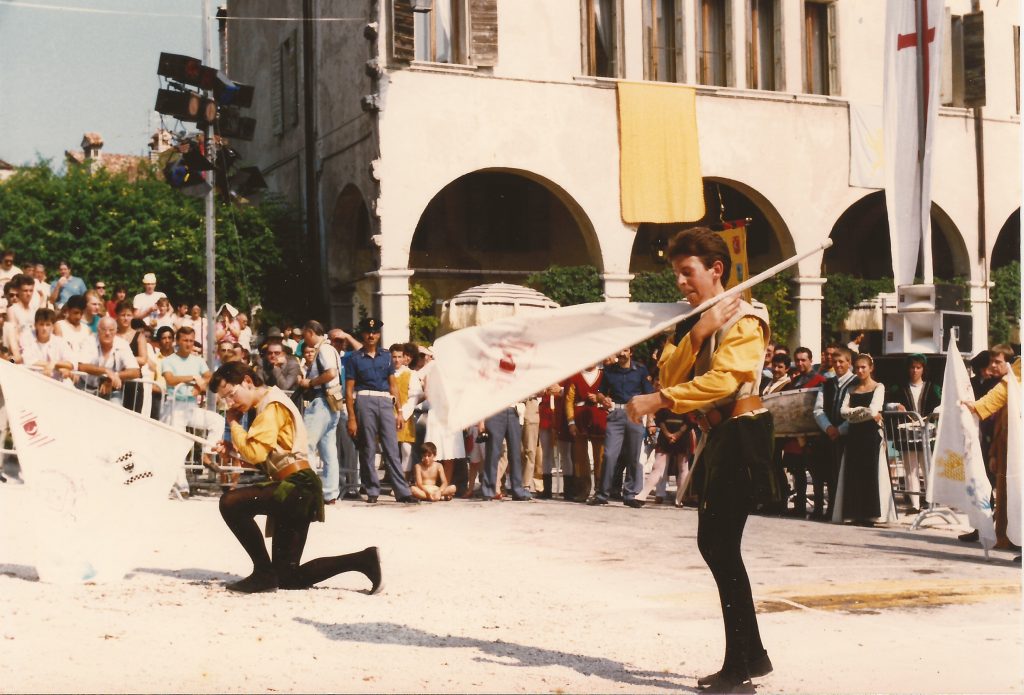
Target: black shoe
[595,501]
[726,683]
[257,582]
[969,537]
[759,666]
[634,503]
[372,570]
[521,498]
[371,499]
[408,499]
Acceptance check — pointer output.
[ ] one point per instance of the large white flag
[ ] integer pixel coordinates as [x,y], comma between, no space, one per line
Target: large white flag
[480,370]
[94,471]
[1013,456]
[958,476]
[867,149]
[910,103]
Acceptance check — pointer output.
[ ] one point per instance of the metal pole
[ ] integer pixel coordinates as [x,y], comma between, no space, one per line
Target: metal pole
[979,158]
[211,153]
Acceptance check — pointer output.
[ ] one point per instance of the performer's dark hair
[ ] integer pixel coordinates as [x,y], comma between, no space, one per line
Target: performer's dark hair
[703,243]
[45,315]
[412,351]
[75,302]
[234,373]
[397,347]
[1002,349]
[429,448]
[807,351]
[781,358]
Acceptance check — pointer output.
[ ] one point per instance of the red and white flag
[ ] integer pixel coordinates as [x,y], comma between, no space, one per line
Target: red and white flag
[93,471]
[910,107]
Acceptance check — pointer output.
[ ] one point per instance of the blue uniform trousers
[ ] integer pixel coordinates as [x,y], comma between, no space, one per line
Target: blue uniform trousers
[503,426]
[376,418]
[626,438]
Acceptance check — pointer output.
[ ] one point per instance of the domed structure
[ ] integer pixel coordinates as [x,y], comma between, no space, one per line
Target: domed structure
[486,303]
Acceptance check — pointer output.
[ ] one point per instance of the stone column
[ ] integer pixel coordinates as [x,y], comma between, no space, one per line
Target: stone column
[978,293]
[808,312]
[393,296]
[616,286]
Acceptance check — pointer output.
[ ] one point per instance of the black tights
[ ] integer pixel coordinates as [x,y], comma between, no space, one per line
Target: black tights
[719,535]
[240,506]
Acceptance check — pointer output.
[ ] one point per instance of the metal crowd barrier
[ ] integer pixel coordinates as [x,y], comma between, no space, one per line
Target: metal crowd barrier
[909,444]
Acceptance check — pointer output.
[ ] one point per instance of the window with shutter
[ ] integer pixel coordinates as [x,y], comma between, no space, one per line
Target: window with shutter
[821,64]
[662,38]
[439,36]
[602,28]
[290,81]
[763,34]
[276,119]
[714,59]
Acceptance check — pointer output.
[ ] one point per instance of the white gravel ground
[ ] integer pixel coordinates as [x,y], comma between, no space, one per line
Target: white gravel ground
[514,597]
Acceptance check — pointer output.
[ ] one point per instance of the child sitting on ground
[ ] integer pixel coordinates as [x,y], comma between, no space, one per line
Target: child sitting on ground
[431,483]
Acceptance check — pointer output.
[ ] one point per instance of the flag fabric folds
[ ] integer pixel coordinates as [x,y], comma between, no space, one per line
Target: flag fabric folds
[659,165]
[957,477]
[1013,456]
[94,471]
[867,152]
[478,371]
[910,106]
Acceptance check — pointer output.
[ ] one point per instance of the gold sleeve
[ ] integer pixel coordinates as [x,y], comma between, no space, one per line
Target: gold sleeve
[993,401]
[737,360]
[570,402]
[274,426]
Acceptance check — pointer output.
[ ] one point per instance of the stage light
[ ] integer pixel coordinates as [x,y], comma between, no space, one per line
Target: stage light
[234,125]
[185,106]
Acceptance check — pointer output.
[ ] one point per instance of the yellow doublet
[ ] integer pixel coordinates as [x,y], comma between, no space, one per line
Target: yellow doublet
[742,348]
[993,401]
[273,426]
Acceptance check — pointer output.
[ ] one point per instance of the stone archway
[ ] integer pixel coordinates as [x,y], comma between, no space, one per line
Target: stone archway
[1007,246]
[861,245]
[768,239]
[497,225]
[351,254]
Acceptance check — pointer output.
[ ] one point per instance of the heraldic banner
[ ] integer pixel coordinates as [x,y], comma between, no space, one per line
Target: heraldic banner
[958,476]
[94,472]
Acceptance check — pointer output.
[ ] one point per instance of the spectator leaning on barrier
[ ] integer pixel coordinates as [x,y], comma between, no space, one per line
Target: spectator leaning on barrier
[47,352]
[72,329]
[109,362]
[67,285]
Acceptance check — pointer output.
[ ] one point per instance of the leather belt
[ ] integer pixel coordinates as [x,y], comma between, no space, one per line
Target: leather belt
[293,467]
[741,406]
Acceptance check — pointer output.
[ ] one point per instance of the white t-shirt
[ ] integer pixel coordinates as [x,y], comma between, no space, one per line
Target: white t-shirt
[6,275]
[55,349]
[78,339]
[915,393]
[147,302]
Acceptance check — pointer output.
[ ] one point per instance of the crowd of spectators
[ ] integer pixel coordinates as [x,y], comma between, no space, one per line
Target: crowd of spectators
[365,408]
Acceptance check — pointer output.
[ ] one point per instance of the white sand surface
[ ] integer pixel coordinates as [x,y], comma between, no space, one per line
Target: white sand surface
[514,597]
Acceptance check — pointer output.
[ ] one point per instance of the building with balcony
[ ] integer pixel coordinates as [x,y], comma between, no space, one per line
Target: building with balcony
[479,141]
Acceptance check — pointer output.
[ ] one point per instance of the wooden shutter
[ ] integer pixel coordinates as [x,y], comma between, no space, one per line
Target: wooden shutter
[946,54]
[729,79]
[276,118]
[290,81]
[1016,64]
[680,40]
[403,38]
[780,64]
[974,59]
[753,20]
[483,32]
[833,49]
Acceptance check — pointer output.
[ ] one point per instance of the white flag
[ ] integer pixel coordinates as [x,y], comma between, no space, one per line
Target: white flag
[94,471]
[958,476]
[1013,456]
[480,370]
[908,151]
[867,149]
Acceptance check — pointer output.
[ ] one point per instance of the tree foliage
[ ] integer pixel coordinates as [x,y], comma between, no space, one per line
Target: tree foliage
[1004,312]
[654,286]
[112,229]
[422,321]
[842,292]
[568,285]
[777,295]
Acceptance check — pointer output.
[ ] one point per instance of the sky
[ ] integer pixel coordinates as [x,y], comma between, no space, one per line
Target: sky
[73,66]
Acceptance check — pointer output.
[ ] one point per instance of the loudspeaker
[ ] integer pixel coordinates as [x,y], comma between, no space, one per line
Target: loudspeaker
[929,298]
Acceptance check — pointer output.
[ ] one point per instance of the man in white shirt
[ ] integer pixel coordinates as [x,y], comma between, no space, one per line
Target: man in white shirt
[47,352]
[834,425]
[144,303]
[7,268]
[73,329]
[109,362]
